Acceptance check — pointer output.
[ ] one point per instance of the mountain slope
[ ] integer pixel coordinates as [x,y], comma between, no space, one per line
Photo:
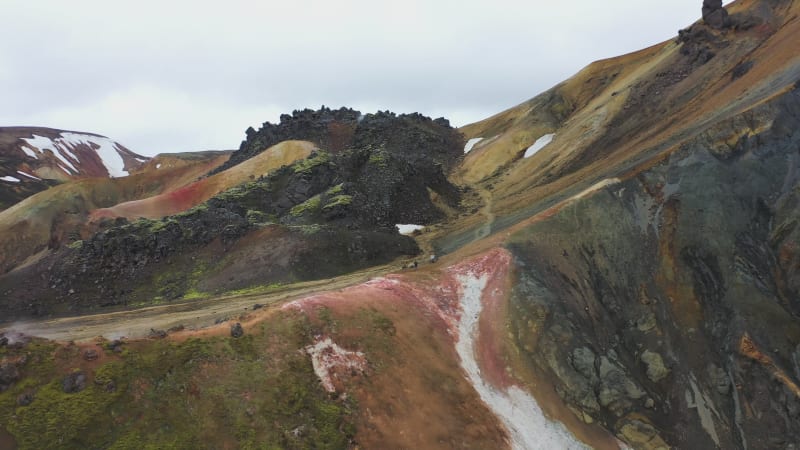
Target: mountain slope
[31,156]
[60,215]
[191,195]
[323,215]
[632,283]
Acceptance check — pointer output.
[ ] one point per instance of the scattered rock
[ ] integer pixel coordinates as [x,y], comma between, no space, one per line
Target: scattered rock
[257,306]
[115,345]
[616,388]
[646,323]
[719,379]
[236,330]
[741,69]
[582,360]
[158,334]
[74,382]
[91,354]
[649,403]
[642,435]
[176,329]
[3,341]
[656,370]
[24,399]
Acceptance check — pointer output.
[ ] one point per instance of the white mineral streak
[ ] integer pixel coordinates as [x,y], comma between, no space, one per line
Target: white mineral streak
[329,359]
[527,426]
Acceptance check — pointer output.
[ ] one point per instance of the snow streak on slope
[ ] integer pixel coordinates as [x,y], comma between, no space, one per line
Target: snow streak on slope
[28,175]
[539,144]
[105,148]
[517,410]
[471,143]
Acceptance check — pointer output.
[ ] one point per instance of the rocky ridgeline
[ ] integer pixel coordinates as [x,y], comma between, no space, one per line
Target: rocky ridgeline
[342,203]
[335,130]
[330,129]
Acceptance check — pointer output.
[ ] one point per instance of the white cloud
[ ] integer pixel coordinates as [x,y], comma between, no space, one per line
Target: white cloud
[184,75]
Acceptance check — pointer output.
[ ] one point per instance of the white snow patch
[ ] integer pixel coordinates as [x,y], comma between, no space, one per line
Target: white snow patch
[408,228]
[471,143]
[64,159]
[65,170]
[28,175]
[527,426]
[44,143]
[10,178]
[106,149]
[39,143]
[539,144]
[158,166]
[29,152]
[140,160]
[330,360]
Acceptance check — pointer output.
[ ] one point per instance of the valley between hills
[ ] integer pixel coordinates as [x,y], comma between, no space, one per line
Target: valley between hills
[611,264]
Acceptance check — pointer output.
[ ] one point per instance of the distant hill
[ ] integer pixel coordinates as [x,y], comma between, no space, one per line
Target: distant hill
[33,158]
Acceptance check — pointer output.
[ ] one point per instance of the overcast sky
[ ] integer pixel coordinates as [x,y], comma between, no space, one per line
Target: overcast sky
[166,76]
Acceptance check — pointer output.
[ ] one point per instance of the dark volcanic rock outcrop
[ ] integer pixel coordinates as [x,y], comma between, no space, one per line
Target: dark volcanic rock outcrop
[328,214]
[714,14]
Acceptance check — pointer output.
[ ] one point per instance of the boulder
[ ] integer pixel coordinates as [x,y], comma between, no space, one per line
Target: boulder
[115,346]
[656,370]
[236,330]
[74,382]
[24,399]
[90,354]
[582,361]
[642,435]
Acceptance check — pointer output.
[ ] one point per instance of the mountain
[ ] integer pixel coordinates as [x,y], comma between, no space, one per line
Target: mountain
[611,264]
[61,214]
[34,158]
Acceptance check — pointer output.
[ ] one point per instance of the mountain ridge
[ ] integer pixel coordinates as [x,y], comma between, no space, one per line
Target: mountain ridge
[632,282]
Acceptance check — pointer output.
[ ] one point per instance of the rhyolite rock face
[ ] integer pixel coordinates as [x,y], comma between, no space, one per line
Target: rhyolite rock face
[665,306]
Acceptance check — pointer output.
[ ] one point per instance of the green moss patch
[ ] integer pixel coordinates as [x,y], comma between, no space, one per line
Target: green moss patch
[338,200]
[309,206]
[257,391]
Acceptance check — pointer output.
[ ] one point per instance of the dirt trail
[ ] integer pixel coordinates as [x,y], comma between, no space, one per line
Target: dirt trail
[192,315]
[488,203]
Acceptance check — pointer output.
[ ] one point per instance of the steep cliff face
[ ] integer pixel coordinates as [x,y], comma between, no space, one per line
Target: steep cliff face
[665,305]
